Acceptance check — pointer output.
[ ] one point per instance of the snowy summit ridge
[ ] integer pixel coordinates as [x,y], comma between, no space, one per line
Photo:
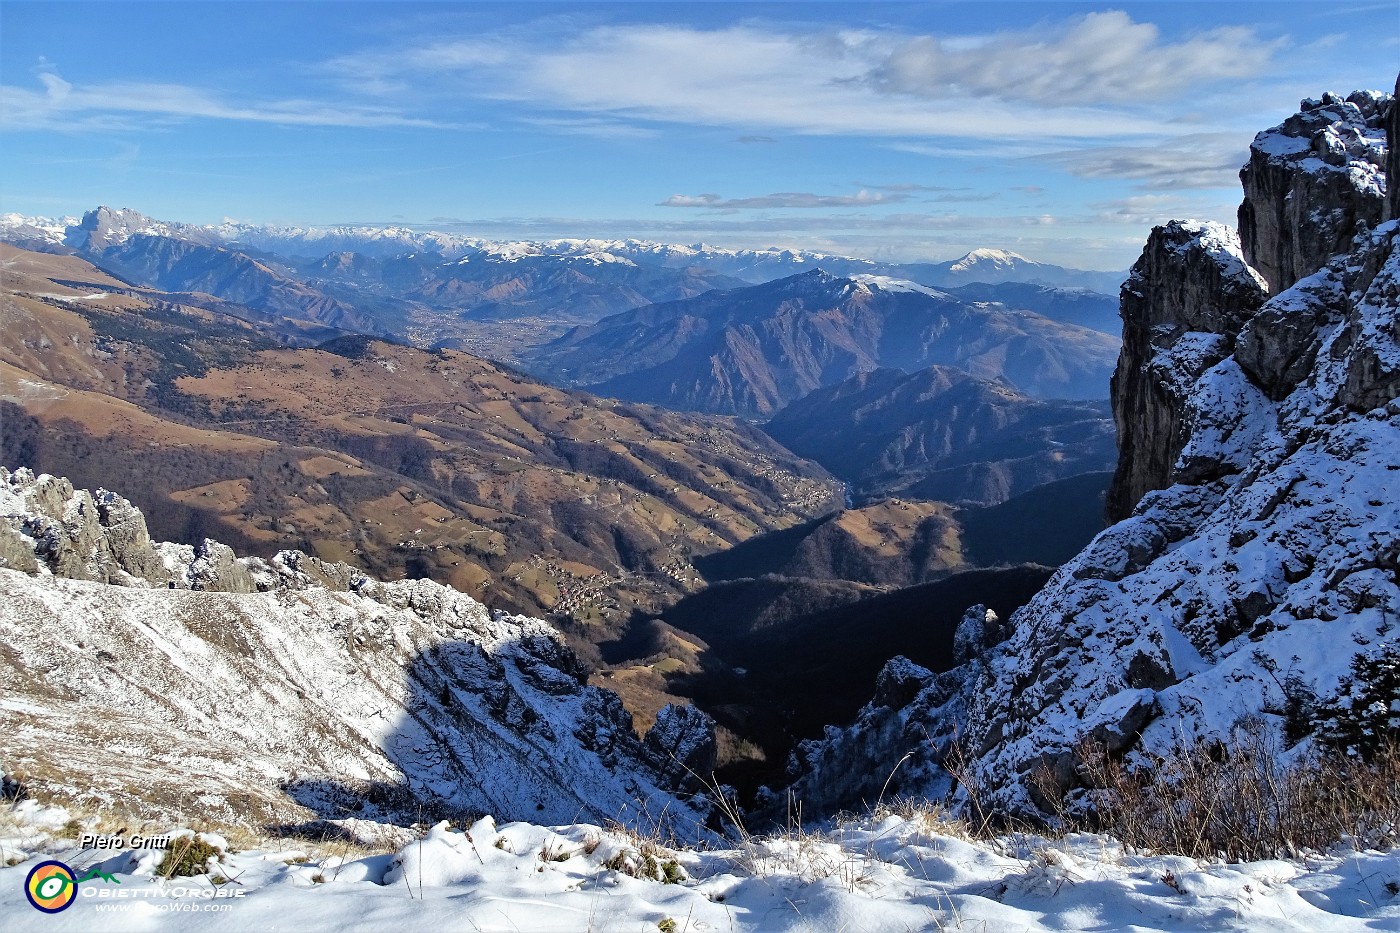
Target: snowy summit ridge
[293,690]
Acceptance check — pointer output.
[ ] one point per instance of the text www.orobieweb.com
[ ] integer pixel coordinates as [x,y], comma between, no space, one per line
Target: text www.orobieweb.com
[184,907]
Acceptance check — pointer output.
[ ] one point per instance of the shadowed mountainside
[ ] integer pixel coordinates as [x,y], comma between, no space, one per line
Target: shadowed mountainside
[940,433]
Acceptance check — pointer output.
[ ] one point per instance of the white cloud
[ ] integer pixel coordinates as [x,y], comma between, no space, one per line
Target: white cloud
[785,199]
[1092,59]
[831,82]
[65,106]
[1195,161]
[1149,210]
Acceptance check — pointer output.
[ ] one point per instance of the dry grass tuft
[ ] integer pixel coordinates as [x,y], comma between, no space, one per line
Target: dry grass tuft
[1240,801]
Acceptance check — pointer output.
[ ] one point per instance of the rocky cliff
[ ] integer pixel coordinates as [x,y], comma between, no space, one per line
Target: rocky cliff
[1261,568]
[165,681]
[1182,304]
[1312,183]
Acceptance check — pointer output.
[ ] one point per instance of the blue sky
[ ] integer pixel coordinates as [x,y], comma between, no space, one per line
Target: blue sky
[903,131]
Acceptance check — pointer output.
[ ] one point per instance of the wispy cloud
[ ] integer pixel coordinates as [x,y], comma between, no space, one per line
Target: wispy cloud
[1147,210]
[1086,78]
[784,199]
[907,187]
[1090,59]
[598,127]
[61,105]
[1196,161]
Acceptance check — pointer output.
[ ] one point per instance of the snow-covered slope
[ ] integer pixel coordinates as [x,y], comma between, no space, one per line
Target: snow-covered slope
[886,874]
[168,681]
[1264,557]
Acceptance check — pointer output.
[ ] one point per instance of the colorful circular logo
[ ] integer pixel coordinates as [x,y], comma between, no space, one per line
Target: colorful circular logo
[51,887]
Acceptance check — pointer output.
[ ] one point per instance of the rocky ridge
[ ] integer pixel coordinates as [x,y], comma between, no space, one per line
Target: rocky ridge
[1312,183]
[161,680]
[1182,304]
[1261,564]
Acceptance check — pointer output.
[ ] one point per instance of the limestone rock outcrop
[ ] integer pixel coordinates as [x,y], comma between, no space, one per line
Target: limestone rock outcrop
[1184,301]
[296,689]
[1312,183]
[683,743]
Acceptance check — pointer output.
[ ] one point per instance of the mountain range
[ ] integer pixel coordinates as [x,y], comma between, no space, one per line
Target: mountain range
[269,433]
[750,351]
[399,460]
[749,265]
[240,394]
[497,299]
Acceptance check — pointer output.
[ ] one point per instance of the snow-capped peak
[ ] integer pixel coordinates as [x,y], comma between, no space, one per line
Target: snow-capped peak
[887,284]
[982,258]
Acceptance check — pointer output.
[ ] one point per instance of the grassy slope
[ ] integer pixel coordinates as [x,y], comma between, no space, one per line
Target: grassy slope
[404,462]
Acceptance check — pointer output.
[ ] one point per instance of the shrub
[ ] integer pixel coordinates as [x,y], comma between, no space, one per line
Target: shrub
[187,856]
[1364,716]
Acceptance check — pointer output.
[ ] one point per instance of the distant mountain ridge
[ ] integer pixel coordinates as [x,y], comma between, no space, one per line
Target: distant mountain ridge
[496,299]
[992,266]
[998,266]
[941,433]
[751,351]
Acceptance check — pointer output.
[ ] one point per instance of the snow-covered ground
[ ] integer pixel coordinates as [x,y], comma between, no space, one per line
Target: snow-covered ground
[893,873]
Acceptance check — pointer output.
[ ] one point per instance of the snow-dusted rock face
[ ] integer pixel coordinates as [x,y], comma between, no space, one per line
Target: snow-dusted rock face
[241,690]
[1311,183]
[72,533]
[106,227]
[1182,304]
[1242,591]
[683,739]
[1392,155]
